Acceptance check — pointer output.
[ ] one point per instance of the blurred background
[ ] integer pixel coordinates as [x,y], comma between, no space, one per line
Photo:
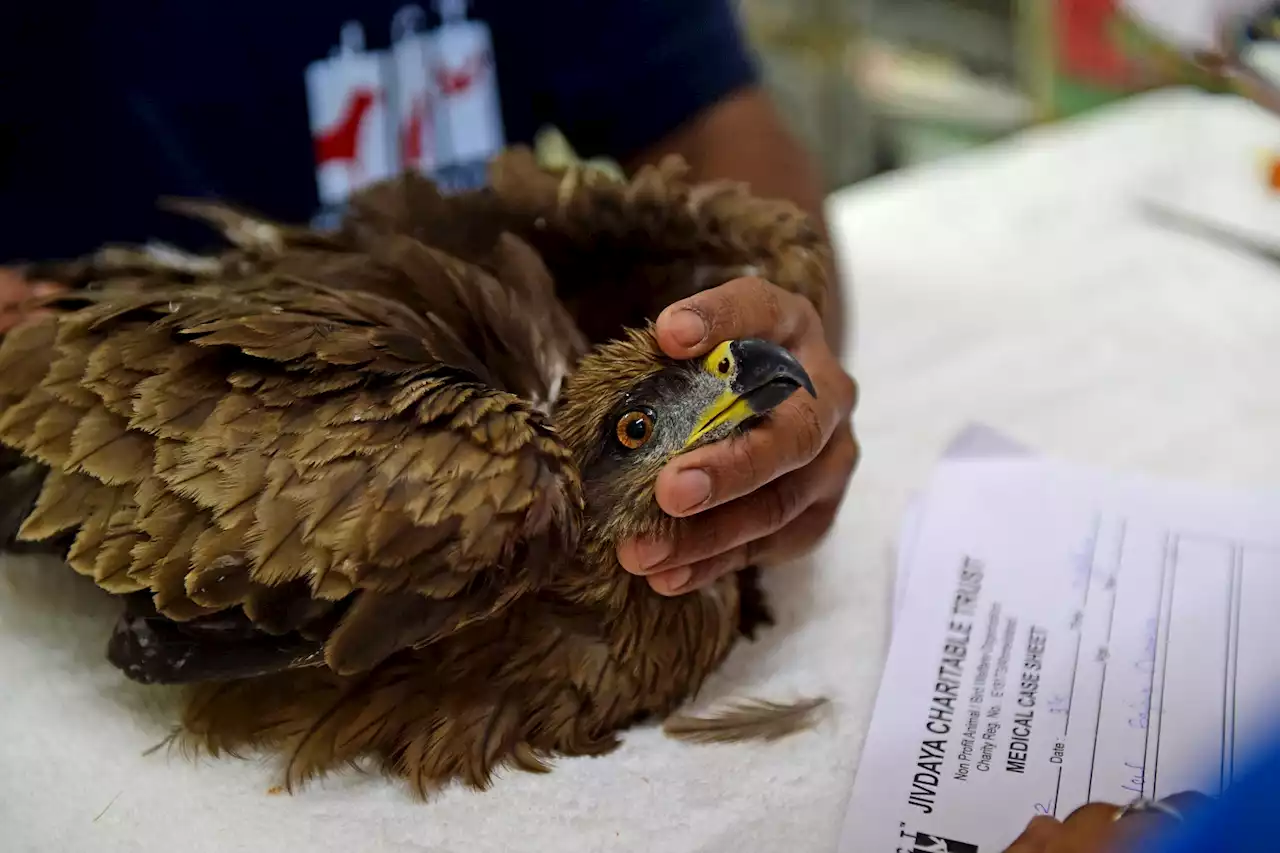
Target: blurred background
[873,85]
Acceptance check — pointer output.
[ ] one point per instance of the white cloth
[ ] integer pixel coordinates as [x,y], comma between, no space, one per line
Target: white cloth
[1191,24]
[1017,286]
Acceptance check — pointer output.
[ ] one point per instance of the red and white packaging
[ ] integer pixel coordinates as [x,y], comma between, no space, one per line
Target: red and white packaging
[414,93]
[469,122]
[347,104]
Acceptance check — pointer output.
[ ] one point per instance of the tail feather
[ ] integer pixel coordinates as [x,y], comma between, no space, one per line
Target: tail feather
[152,649]
[746,719]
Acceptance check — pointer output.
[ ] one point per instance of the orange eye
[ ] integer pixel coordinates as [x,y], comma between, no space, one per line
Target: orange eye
[634,429]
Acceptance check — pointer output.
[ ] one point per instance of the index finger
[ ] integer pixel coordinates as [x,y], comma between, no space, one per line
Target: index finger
[1093,826]
[1041,830]
[742,308]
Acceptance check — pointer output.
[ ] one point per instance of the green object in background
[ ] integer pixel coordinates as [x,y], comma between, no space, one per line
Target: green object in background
[1163,60]
[1071,97]
[1159,64]
[916,140]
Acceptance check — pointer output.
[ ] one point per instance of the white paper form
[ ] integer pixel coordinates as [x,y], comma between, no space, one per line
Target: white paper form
[975,441]
[1067,637]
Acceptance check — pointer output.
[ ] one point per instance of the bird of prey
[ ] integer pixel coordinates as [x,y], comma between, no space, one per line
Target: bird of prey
[360,490]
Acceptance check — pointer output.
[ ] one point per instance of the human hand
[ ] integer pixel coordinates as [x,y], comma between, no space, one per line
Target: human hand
[14,293]
[1102,827]
[770,494]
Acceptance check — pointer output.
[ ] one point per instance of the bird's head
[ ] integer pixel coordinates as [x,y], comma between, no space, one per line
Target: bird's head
[628,409]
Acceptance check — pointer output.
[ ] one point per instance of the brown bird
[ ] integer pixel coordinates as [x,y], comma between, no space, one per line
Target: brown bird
[361,491]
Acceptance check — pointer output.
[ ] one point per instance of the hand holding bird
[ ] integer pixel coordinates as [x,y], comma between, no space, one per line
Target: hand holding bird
[767,495]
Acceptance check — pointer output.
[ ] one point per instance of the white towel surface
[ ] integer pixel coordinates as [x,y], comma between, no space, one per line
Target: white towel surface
[1019,286]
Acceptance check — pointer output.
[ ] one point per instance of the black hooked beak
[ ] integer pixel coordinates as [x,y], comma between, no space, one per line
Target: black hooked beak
[758,377]
[767,374]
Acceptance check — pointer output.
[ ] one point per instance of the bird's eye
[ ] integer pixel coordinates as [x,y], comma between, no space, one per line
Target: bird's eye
[634,429]
[723,367]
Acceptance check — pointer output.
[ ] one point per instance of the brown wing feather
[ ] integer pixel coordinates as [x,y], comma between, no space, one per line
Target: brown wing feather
[275,444]
[621,250]
[466,225]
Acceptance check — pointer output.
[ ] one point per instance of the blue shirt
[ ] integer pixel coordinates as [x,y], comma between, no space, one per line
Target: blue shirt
[1240,822]
[106,105]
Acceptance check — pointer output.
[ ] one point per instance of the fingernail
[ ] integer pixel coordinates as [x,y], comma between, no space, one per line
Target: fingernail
[46,288]
[672,581]
[650,552]
[691,489]
[687,327]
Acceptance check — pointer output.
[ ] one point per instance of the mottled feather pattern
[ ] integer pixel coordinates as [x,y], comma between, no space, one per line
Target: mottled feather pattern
[337,477]
[382,467]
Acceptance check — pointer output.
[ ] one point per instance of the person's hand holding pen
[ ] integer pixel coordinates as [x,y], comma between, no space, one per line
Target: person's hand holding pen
[1106,827]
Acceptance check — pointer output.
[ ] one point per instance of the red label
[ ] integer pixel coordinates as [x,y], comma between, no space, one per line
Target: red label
[458,81]
[1086,48]
[412,134]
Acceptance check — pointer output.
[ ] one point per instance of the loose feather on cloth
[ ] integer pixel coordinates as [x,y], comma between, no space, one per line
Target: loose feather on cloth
[745,720]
